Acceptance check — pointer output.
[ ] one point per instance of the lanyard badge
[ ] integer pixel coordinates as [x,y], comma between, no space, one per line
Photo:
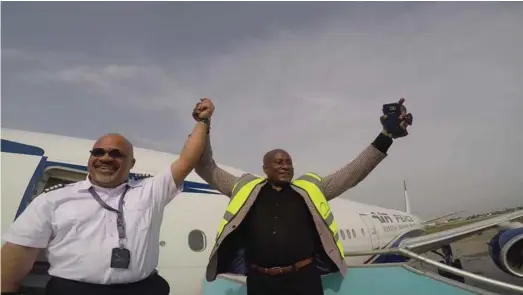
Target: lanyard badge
[120,257]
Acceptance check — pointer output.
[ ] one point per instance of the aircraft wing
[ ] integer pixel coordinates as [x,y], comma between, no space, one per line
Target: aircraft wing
[442,216]
[433,241]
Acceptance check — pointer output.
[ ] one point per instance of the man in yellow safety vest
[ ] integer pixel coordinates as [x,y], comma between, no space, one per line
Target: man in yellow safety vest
[280,231]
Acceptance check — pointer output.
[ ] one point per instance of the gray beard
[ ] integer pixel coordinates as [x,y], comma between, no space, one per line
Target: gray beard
[102,178]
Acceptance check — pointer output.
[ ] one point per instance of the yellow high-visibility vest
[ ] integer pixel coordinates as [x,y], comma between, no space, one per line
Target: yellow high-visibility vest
[309,182]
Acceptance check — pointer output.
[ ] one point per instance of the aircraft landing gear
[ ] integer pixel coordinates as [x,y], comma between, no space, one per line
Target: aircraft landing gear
[448,259]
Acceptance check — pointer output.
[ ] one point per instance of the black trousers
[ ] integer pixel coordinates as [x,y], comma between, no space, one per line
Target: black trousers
[305,281]
[154,284]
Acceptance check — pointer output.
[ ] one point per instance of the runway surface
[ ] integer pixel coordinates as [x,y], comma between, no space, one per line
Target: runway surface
[473,253]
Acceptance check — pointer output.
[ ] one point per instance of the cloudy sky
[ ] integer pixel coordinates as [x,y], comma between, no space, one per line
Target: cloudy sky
[307,77]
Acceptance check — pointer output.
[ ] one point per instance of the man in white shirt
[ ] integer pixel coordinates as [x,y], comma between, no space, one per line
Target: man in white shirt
[102,234]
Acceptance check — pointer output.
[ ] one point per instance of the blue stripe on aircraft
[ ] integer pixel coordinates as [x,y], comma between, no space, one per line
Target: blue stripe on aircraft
[394,258]
[188,186]
[24,149]
[391,258]
[20,148]
[30,189]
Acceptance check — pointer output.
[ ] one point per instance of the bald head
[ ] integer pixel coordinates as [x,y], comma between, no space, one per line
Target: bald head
[277,165]
[111,160]
[115,139]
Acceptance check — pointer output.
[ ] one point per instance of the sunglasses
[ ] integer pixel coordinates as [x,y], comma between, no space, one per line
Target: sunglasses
[100,152]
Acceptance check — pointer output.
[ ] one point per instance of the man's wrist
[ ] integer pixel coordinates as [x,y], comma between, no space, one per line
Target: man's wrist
[382,142]
[206,122]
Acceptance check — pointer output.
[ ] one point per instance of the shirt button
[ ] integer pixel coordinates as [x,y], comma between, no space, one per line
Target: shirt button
[277,205]
[274,232]
[276,217]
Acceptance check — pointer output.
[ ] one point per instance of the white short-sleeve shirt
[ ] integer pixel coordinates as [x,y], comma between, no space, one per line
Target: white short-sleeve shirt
[79,234]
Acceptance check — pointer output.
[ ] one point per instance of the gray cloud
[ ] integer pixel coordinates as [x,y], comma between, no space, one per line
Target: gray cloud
[312,85]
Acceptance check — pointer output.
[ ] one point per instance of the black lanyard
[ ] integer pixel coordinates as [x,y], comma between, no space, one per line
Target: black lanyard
[120,224]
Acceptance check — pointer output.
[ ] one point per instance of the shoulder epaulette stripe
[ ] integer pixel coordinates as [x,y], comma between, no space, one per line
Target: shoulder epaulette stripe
[54,187]
[139,176]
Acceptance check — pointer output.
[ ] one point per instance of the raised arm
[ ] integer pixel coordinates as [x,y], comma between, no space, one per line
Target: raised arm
[395,121]
[193,147]
[207,169]
[354,172]
[190,154]
[218,178]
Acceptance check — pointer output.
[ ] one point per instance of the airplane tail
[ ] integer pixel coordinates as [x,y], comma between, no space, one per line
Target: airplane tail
[407,201]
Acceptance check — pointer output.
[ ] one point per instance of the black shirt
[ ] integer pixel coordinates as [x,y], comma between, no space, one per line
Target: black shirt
[279,229]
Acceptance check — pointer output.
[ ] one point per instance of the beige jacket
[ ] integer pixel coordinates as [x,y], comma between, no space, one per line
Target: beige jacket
[333,185]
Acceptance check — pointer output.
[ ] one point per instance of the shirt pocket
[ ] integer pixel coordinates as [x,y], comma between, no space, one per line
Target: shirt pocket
[137,215]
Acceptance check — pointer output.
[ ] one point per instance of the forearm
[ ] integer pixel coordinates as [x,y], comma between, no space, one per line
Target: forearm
[206,158]
[355,171]
[207,169]
[190,154]
[194,145]
[17,262]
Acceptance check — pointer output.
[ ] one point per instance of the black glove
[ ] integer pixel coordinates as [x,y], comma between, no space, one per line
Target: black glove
[395,119]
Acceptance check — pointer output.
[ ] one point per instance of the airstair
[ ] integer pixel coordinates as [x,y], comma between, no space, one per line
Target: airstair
[394,278]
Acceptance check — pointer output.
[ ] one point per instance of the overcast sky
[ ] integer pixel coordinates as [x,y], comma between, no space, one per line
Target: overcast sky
[307,77]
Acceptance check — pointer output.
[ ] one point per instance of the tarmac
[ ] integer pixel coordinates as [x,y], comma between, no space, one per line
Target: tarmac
[473,252]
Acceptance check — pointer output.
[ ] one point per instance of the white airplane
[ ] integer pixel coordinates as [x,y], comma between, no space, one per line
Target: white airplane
[32,162]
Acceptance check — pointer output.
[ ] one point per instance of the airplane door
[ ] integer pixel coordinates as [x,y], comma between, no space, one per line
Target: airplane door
[373,233]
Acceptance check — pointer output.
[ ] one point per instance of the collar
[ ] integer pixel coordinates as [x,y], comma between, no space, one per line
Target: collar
[86,184]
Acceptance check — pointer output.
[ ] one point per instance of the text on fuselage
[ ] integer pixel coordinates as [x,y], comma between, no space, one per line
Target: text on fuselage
[386,218]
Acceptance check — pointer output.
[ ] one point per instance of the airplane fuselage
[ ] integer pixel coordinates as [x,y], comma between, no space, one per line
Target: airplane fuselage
[34,161]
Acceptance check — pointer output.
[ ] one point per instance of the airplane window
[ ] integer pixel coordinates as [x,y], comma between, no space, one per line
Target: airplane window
[353,233]
[197,240]
[348,234]
[342,234]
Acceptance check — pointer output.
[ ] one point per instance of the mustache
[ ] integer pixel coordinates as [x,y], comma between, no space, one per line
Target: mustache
[114,166]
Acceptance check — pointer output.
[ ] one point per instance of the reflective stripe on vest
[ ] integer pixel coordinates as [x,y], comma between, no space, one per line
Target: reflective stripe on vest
[311,183]
[240,192]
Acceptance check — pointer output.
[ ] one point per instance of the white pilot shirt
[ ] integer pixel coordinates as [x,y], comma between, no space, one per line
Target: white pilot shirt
[79,234]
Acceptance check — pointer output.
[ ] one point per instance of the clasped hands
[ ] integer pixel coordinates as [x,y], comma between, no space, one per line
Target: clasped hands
[203,110]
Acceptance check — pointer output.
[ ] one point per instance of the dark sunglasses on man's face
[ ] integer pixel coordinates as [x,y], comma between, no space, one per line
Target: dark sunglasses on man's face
[99,152]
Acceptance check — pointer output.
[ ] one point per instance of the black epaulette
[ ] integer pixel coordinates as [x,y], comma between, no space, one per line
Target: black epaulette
[139,176]
[54,187]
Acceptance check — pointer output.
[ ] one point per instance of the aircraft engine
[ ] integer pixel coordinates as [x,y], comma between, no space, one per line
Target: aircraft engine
[506,250]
